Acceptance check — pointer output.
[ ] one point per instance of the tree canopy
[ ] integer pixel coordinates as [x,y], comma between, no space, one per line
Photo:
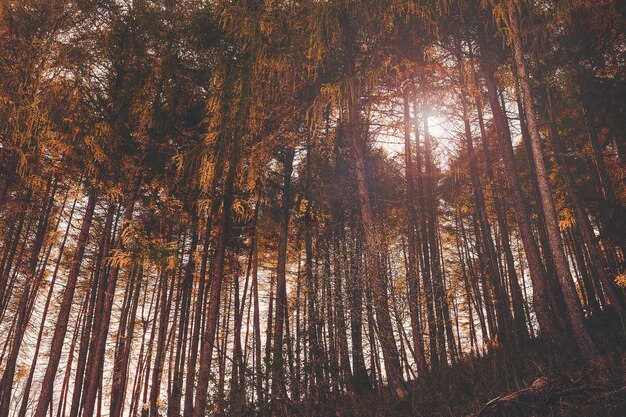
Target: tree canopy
[213,207]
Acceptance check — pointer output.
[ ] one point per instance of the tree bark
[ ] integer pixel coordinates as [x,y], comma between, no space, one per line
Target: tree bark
[572,303]
[596,256]
[279,391]
[545,317]
[58,339]
[102,328]
[412,264]
[208,338]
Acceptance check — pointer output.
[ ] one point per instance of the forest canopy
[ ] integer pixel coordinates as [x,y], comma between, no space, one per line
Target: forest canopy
[341,207]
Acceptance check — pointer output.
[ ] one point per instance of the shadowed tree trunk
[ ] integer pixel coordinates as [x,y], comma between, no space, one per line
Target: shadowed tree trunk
[596,256]
[425,255]
[441,303]
[104,307]
[25,301]
[371,241]
[545,316]
[208,338]
[58,339]
[494,279]
[572,302]
[412,264]
[279,391]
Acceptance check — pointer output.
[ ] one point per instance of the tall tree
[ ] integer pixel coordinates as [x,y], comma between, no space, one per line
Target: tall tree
[572,302]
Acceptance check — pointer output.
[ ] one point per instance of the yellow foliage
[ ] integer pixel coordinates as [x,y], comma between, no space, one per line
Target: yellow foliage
[566,219]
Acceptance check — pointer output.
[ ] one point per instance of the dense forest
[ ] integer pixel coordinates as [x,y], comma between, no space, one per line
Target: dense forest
[307,207]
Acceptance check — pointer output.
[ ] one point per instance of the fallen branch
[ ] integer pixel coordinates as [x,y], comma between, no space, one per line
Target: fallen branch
[546,393]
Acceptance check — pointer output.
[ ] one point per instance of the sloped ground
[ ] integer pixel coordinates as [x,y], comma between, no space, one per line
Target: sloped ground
[559,396]
[536,380]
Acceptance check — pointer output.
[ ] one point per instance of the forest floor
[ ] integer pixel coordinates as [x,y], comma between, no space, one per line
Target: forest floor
[538,380]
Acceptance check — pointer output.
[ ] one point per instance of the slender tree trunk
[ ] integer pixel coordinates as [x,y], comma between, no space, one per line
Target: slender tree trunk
[385,329]
[340,318]
[478,303]
[102,330]
[379,287]
[423,236]
[452,343]
[493,276]
[174,402]
[468,294]
[208,338]
[331,345]
[97,281]
[120,367]
[58,339]
[516,291]
[584,274]
[545,317]
[572,302]
[257,311]
[61,410]
[23,310]
[237,392]
[279,391]
[44,315]
[582,220]
[433,246]
[412,264]
[200,297]
[554,291]
[355,299]
[159,357]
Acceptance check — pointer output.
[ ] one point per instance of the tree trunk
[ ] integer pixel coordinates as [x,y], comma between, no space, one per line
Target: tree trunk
[433,246]
[501,303]
[582,220]
[23,311]
[174,402]
[545,317]
[572,302]
[58,339]
[279,391]
[412,265]
[208,338]
[106,305]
